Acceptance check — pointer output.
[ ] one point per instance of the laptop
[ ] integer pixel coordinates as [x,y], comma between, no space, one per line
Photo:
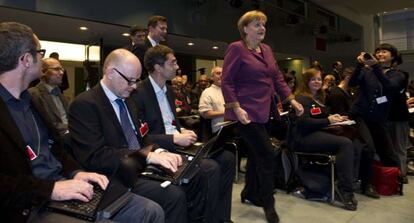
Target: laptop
[103,205]
[188,169]
[225,132]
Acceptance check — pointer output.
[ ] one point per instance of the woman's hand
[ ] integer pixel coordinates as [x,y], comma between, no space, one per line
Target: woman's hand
[297,106]
[365,61]
[335,118]
[242,115]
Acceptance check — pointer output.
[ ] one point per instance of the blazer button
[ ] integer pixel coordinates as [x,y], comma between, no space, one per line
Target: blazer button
[26,212]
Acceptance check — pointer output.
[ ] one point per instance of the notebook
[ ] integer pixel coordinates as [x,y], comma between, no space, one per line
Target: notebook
[224,133]
[103,205]
[186,171]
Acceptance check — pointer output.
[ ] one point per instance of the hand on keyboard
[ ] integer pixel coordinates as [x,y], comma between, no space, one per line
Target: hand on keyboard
[185,138]
[170,161]
[99,179]
[72,189]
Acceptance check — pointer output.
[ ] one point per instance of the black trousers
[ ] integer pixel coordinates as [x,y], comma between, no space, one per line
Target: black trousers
[260,149]
[342,147]
[383,143]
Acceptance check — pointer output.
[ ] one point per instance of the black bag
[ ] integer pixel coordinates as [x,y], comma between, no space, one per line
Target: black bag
[285,166]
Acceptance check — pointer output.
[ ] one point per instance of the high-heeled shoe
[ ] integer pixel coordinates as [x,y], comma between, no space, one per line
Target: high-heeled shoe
[271,215]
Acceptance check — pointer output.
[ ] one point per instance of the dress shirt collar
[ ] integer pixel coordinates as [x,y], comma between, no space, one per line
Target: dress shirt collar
[157,88]
[152,41]
[111,96]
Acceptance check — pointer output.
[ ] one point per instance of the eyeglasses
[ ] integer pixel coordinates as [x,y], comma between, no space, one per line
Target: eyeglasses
[56,69]
[42,52]
[130,82]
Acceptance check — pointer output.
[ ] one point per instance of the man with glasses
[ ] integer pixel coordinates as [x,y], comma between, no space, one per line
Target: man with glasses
[47,94]
[34,168]
[104,127]
[137,35]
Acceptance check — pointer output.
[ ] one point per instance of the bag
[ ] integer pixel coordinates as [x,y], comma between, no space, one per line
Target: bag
[285,167]
[386,180]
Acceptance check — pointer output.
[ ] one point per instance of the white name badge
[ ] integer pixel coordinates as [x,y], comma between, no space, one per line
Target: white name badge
[381,100]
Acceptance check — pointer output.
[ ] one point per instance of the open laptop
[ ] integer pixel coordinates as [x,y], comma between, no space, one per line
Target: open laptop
[103,205]
[225,132]
[188,169]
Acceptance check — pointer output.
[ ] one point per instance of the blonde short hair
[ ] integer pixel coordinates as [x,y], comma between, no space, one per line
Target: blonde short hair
[249,17]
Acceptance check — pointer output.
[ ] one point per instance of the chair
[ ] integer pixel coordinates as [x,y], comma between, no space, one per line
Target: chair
[322,159]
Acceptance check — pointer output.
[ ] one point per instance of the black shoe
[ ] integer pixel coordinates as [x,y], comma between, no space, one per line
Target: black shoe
[370,191]
[271,215]
[348,200]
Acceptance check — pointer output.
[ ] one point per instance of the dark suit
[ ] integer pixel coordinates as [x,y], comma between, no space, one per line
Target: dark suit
[42,98]
[219,172]
[99,142]
[20,190]
[139,51]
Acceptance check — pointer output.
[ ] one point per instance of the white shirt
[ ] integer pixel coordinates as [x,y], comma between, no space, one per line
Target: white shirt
[152,41]
[167,114]
[112,97]
[212,100]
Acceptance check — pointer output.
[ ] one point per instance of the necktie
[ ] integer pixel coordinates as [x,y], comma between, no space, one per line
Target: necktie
[127,127]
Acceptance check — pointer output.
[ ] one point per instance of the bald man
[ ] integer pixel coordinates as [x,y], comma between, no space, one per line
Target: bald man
[48,95]
[105,127]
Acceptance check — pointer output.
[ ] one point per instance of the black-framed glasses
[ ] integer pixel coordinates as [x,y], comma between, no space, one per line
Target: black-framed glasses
[42,52]
[130,82]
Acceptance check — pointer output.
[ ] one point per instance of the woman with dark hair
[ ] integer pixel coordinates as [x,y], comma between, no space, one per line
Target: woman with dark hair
[309,136]
[250,80]
[378,80]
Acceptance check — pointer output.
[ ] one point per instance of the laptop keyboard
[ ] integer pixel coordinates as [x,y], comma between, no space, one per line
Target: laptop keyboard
[86,208]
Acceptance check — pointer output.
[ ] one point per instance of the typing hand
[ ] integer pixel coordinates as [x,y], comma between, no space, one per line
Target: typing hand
[242,115]
[185,138]
[100,179]
[170,161]
[72,189]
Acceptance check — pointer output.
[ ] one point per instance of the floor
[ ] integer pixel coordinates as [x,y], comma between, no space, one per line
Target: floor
[392,209]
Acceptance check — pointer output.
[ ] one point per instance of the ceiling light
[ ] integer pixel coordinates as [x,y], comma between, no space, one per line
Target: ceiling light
[215,47]
[288,58]
[125,34]
[385,12]
[190,44]
[83,28]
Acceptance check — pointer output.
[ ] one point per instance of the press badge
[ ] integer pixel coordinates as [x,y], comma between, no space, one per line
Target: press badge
[143,130]
[381,100]
[32,155]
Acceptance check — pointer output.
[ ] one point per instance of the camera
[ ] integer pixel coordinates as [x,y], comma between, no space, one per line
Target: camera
[367,56]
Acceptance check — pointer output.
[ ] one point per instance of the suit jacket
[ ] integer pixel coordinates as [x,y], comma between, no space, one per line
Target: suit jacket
[150,112]
[97,137]
[139,51]
[42,98]
[20,190]
[251,80]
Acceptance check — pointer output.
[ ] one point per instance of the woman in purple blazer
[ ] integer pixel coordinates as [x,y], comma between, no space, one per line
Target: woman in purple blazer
[250,80]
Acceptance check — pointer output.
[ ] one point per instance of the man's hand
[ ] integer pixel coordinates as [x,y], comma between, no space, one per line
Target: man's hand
[242,115]
[185,138]
[72,189]
[170,161]
[297,106]
[100,179]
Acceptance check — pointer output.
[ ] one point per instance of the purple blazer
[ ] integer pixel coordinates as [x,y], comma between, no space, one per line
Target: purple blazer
[251,79]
